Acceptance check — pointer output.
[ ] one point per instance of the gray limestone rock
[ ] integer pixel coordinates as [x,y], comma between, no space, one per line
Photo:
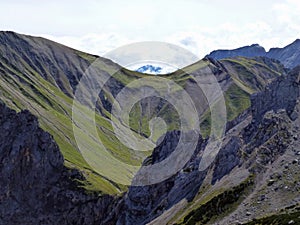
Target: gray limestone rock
[35,187]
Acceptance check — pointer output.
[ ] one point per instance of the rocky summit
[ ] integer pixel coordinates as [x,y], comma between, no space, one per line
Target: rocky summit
[44,178]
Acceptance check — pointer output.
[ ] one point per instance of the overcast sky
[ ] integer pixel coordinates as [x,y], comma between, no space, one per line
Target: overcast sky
[198,25]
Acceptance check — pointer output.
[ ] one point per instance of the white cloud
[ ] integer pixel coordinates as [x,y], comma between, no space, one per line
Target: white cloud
[287,18]
[93,43]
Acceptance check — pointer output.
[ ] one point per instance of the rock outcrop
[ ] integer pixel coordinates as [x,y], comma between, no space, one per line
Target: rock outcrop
[280,94]
[35,186]
[144,203]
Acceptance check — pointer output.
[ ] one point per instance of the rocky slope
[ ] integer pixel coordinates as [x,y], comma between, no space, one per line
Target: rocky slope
[247,166]
[36,188]
[289,55]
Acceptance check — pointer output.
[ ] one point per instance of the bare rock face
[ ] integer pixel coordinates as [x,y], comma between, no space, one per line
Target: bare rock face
[35,187]
[280,94]
[227,159]
[144,203]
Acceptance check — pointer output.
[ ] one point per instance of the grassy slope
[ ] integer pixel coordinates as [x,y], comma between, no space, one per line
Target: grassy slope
[53,108]
[282,218]
[218,204]
[249,76]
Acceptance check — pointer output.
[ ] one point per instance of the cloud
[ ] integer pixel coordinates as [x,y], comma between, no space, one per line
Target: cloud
[287,17]
[93,43]
[201,29]
[203,40]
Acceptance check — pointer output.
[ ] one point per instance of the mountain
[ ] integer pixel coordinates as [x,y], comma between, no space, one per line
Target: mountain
[253,177]
[247,51]
[41,76]
[149,69]
[289,55]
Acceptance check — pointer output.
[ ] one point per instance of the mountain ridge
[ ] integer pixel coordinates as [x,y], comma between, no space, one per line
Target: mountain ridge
[288,55]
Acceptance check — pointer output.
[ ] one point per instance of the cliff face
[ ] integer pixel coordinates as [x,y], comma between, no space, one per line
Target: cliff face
[35,187]
[144,203]
[282,93]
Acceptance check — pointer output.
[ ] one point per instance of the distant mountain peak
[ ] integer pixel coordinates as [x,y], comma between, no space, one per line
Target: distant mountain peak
[150,69]
[296,42]
[256,45]
[289,55]
[153,68]
[246,51]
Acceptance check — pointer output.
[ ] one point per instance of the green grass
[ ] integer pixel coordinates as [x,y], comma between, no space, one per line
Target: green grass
[237,100]
[277,219]
[253,74]
[219,205]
